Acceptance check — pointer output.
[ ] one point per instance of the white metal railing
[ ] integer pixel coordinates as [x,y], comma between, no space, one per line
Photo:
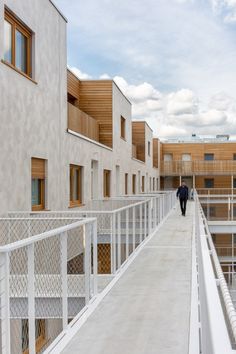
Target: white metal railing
[47,277]
[121,230]
[216,308]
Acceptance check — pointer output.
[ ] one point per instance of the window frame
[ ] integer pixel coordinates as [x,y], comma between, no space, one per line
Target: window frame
[207,180]
[209,154]
[149,148]
[76,202]
[106,183]
[41,177]
[17,25]
[41,340]
[122,128]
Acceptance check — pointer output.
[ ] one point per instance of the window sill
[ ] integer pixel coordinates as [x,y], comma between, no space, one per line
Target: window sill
[18,71]
[75,205]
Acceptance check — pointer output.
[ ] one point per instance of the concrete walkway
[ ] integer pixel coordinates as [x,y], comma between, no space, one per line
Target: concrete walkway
[148,309]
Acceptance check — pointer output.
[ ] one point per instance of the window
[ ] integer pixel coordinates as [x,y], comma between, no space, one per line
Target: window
[234,157]
[234,183]
[106,183]
[208,157]
[126,183]
[150,183]
[17,44]
[149,148]
[153,184]
[209,182]
[143,184]
[40,335]
[157,184]
[134,184]
[168,157]
[186,157]
[75,185]
[122,127]
[37,184]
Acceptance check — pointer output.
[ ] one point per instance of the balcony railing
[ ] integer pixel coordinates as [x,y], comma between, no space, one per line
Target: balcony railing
[82,123]
[200,167]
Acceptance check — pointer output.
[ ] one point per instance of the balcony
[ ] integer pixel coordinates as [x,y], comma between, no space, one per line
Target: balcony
[84,124]
[200,168]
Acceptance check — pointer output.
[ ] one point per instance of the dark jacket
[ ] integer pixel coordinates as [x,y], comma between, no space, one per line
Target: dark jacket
[182,192]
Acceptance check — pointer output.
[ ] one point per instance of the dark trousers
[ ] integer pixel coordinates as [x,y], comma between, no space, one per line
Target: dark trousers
[183,203]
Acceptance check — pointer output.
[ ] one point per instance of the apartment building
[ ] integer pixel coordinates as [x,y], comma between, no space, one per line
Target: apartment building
[64,141]
[201,162]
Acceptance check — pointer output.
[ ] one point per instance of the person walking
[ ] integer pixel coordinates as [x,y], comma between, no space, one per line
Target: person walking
[182,194]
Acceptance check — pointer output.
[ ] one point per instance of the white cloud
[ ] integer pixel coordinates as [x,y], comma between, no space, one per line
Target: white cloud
[225,8]
[178,113]
[81,75]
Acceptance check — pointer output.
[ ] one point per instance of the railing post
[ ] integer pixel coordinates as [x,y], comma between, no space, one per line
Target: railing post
[134,236]
[127,233]
[31,298]
[140,223]
[95,259]
[149,216]
[113,244]
[119,239]
[64,285]
[5,303]
[145,220]
[87,261]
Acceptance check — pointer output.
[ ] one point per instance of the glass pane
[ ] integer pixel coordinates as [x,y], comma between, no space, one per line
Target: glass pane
[36,191]
[209,157]
[7,42]
[21,52]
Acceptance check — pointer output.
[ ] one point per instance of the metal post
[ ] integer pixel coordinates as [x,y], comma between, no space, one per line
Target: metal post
[119,239]
[140,223]
[95,259]
[31,298]
[5,303]
[127,233]
[149,216]
[113,244]
[145,220]
[87,260]
[63,241]
[134,228]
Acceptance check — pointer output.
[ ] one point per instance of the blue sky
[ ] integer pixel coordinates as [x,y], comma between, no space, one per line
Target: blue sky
[175,59]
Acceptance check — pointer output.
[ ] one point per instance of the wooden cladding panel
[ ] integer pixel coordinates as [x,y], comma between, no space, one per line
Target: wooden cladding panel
[82,123]
[155,152]
[37,168]
[219,181]
[138,139]
[73,84]
[95,99]
[221,151]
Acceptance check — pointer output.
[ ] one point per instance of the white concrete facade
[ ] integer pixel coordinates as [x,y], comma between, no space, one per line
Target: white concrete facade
[34,122]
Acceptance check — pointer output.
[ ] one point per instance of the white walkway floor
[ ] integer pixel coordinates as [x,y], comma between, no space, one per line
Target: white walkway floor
[148,309]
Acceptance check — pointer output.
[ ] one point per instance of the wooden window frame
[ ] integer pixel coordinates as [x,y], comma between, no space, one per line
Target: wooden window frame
[106,183]
[134,183]
[39,341]
[17,25]
[143,184]
[208,179]
[77,202]
[149,148]
[40,176]
[126,183]
[123,128]
[209,153]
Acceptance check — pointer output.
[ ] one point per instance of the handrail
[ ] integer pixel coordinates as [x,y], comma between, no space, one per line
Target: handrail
[220,280]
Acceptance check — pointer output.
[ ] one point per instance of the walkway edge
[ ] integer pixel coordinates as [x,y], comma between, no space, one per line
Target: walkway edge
[65,337]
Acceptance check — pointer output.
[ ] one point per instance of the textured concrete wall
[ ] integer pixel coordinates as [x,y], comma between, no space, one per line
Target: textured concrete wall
[30,113]
[34,122]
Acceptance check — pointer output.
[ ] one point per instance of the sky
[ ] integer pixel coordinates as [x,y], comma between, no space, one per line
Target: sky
[174,59]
